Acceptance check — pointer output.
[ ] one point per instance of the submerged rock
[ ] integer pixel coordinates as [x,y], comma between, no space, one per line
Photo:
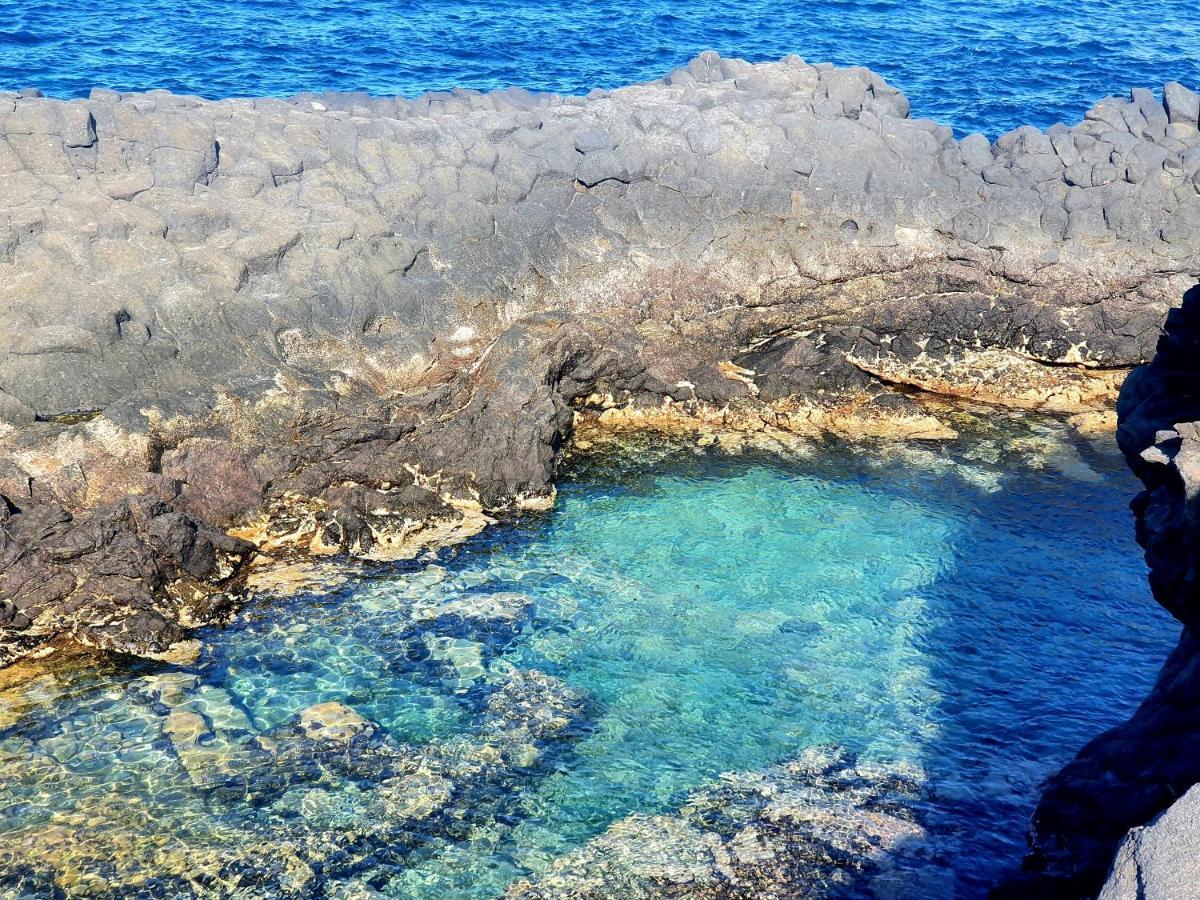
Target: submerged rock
[497,608]
[287,812]
[334,723]
[819,826]
[529,714]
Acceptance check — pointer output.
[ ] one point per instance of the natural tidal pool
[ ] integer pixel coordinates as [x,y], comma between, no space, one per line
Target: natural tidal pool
[975,611]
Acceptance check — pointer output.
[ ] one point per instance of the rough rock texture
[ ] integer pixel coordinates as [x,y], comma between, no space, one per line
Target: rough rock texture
[1159,861]
[819,826]
[333,794]
[126,576]
[1127,776]
[329,321]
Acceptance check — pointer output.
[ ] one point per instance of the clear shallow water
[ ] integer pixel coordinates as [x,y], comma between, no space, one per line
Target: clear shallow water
[986,66]
[978,610]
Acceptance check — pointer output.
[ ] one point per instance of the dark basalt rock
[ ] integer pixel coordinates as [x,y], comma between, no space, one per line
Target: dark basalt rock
[1129,775]
[128,576]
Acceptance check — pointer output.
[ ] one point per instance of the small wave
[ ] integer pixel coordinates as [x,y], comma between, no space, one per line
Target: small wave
[1035,61]
[22,38]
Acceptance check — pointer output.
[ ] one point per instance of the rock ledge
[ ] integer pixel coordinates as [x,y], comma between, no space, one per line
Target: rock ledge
[352,325]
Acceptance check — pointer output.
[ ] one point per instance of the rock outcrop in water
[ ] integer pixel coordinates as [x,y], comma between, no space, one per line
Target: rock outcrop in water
[351,324]
[818,826]
[331,796]
[1129,775]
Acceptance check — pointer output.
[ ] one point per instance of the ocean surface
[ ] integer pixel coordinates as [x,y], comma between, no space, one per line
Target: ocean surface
[986,66]
[976,609]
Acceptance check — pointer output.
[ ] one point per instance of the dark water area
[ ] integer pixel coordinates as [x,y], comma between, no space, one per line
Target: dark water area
[987,66]
[974,611]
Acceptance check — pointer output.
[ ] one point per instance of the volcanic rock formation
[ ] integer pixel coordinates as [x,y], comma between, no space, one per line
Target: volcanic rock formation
[352,324]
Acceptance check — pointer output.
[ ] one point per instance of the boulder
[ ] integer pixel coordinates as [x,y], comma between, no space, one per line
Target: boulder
[1158,861]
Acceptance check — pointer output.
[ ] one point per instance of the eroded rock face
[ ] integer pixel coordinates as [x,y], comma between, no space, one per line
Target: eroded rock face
[128,576]
[355,325]
[1129,775]
[1158,861]
[1161,440]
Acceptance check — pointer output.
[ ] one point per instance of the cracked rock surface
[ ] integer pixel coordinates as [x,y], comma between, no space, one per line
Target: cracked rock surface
[351,325]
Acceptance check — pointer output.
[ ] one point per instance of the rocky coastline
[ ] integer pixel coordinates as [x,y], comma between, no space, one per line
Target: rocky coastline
[240,330]
[1128,777]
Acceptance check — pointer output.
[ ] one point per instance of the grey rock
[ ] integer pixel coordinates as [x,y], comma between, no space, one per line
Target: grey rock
[818,826]
[976,152]
[1158,861]
[1152,112]
[279,307]
[594,139]
[1183,105]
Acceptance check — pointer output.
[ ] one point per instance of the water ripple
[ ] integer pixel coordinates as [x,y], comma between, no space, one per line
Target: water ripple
[980,67]
[934,607]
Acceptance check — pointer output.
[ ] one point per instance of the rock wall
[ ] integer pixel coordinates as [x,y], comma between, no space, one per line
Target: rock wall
[1129,775]
[331,320]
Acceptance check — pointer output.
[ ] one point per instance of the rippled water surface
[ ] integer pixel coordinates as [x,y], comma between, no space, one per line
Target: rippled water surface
[977,610]
[986,66]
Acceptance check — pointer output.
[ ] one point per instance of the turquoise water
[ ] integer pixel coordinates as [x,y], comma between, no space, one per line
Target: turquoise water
[987,66]
[976,609]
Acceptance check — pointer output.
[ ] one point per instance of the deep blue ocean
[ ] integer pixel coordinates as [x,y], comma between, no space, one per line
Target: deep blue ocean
[984,66]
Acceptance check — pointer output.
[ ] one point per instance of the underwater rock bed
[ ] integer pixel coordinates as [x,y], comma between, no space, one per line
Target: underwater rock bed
[733,666]
[816,827]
